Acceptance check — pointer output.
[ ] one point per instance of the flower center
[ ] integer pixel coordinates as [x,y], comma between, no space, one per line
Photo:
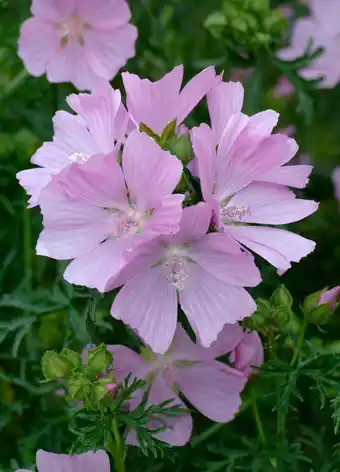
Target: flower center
[127,223]
[232,213]
[176,264]
[73,29]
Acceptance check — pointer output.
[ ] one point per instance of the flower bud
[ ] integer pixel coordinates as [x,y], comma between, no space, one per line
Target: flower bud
[319,307]
[281,297]
[99,359]
[79,387]
[215,24]
[72,356]
[99,391]
[55,366]
[321,315]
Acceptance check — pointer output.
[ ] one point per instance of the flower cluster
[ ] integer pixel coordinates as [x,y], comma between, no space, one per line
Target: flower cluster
[127,212]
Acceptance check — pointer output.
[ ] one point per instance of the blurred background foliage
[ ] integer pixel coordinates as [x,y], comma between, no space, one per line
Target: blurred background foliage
[40,311]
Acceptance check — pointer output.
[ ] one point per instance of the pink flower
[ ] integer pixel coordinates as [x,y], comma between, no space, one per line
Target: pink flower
[187,368]
[244,181]
[95,211]
[89,462]
[205,273]
[99,127]
[247,353]
[156,104]
[77,41]
[330,297]
[283,88]
[322,27]
[336,182]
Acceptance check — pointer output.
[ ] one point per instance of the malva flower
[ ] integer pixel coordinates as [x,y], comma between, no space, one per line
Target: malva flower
[94,212]
[322,29]
[245,181]
[78,41]
[209,385]
[99,127]
[89,462]
[156,104]
[205,273]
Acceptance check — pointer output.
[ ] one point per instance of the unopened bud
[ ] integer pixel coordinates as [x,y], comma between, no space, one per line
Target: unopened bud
[215,23]
[321,315]
[55,366]
[281,297]
[99,391]
[99,359]
[79,387]
[281,315]
[72,356]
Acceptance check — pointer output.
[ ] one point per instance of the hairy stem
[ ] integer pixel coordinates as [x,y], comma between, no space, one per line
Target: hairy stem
[299,343]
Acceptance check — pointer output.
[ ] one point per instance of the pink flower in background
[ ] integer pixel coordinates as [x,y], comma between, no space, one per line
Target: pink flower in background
[156,104]
[330,297]
[95,211]
[187,368]
[78,41]
[89,462]
[247,353]
[244,181]
[336,182]
[283,88]
[205,273]
[323,28]
[99,127]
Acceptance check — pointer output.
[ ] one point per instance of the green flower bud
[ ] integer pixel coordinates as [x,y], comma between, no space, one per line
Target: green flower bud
[79,387]
[99,391]
[321,315]
[312,301]
[99,359]
[281,297]
[181,147]
[72,356]
[55,366]
[168,133]
[281,316]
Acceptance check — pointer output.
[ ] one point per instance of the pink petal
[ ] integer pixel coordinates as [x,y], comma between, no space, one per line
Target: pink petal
[71,64]
[38,42]
[244,168]
[227,340]
[304,29]
[330,297]
[53,155]
[148,303]
[53,10]
[98,182]
[99,112]
[88,462]
[184,349]
[238,270]
[293,176]
[217,242]
[142,157]
[213,388]
[72,136]
[71,228]
[194,224]
[249,352]
[224,100]
[277,246]
[166,218]
[153,103]
[271,204]
[326,13]
[209,304]
[33,181]
[108,51]
[204,148]
[194,91]
[95,268]
[336,182]
[106,15]
[179,428]
[127,362]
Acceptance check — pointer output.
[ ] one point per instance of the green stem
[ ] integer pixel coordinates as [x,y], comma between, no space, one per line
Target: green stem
[117,447]
[258,422]
[27,248]
[300,342]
